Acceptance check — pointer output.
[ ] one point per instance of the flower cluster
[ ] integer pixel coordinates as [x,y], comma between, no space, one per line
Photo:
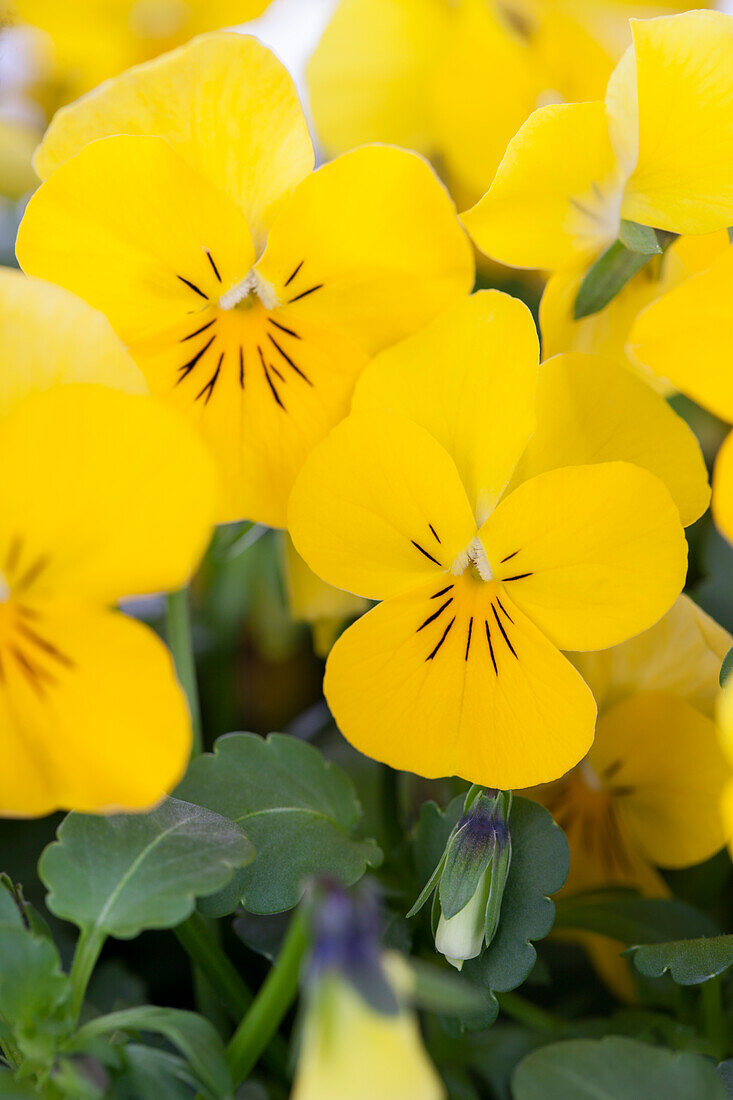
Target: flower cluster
[210,328]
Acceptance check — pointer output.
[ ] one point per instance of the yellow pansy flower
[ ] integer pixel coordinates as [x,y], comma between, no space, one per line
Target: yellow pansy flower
[352,1051]
[96,39]
[647,795]
[609,331]
[574,171]
[106,494]
[459,669]
[250,289]
[312,601]
[455,79]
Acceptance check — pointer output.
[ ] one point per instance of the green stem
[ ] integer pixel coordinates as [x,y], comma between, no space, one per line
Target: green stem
[197,940]
[178,630]
[711,996]
[88,949]
[525,1012]
[270,1005]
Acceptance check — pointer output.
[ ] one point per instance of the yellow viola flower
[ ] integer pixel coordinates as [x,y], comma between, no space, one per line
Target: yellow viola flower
[458,670]
[95,39]
[250,289]
[609,331]
[574,171]
[360,1037]
[455,79]
[647,794]
[325,608]
[106,494]
[724,716]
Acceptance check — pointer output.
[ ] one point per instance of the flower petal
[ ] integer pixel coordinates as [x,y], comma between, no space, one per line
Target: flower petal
[683,180]
[681,654]
[660,760]
[457,684]
[687,335]
[104,495]
[591,410]
[380,247]
[95,723]
[485,84]
[370,76]
[723,488]
[378,506]
[469,378]
[50,337]
[554,200]
[223,102]
[592,554]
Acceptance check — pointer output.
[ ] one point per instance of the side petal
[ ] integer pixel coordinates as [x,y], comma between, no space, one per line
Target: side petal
[683,180]
[592,554]
[469,378]
[591,410]
[380,248]
[223,102]
[379,506]
[447,685]
[554,199]
[681,654]
[99,727]
[370,75]
[660,760]
[143,500]
[50,337]
[686,335]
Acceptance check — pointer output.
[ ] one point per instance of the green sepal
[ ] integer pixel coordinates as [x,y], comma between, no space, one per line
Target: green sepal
[499,875]
[429,886]
[606,277]
[639,238]
[468,858]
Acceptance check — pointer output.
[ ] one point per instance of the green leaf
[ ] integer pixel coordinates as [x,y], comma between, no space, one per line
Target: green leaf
[690,962]
[726,667]
[120,874]
[299,811]
[151,1074]
[192,1035]
[9,911]
[725,1069]
[614,1069]
[639,238]
[10,1089]
[606,277]
[626,916]
[33,988]
[539,867]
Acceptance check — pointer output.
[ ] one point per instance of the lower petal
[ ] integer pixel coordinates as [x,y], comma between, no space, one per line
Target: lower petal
[93,718]
[452,679]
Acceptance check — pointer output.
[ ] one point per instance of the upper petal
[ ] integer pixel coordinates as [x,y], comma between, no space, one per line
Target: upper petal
[373,244]
[104,495]
[683,180]
[378,506]
[370,76]
[591,410]
[469,378]
[50,337]
[223,102]
[555,197]
[592,554]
